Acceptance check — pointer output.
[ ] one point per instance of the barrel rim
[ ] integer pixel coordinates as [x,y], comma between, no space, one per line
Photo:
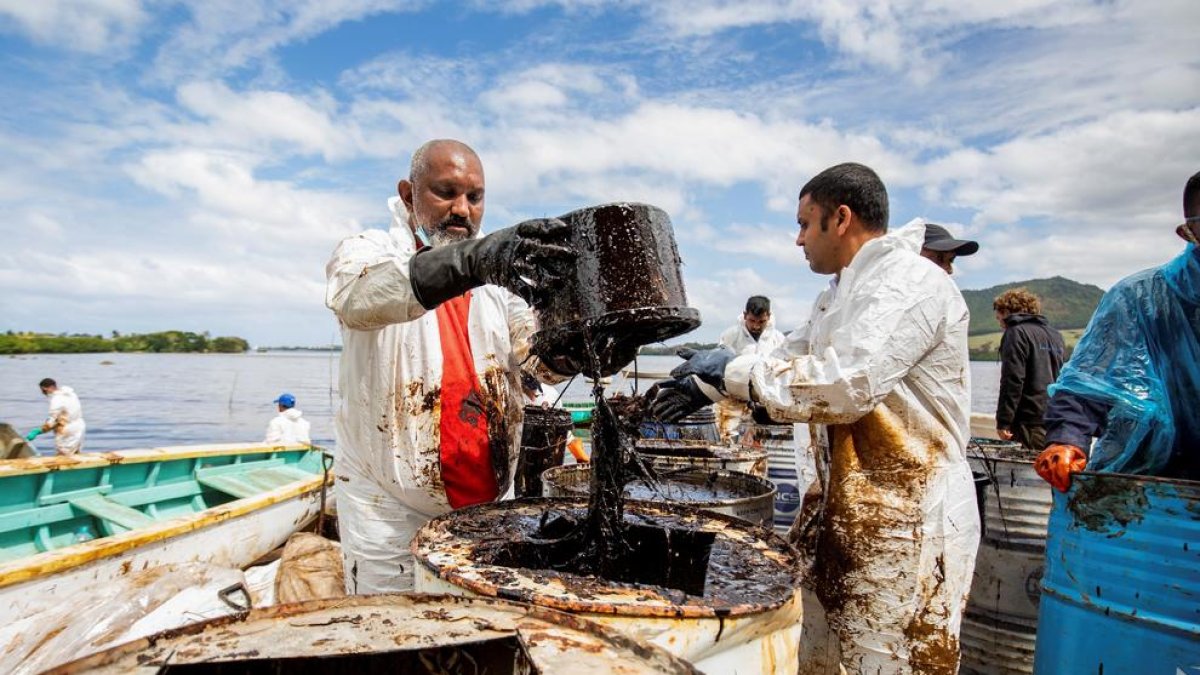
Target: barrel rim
[739,475]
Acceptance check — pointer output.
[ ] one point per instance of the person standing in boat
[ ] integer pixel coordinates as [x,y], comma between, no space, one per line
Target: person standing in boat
[65,418]
[1031,356]
[1132,380]
[288,427]
[880,369]
[754,333]
[435,324]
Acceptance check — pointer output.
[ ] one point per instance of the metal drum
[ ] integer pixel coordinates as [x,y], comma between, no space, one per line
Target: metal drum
[745,615]
[778,440]
[543,443]
[1121,593]
[410,633]
[699,426]
[730,492]
[671,455]
[999,628]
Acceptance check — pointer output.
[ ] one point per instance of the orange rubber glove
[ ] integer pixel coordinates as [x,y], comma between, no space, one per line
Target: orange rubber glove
[1057,462]
[576,448]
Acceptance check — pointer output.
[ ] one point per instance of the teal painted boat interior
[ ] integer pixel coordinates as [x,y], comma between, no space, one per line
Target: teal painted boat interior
[1121,589]
[45,511]
[581,413]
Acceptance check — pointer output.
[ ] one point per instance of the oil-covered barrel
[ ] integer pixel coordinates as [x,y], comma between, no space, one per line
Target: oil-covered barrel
[999,628]
[699,426]
[1121,592]
[625,290]
[543,443]
[672,455]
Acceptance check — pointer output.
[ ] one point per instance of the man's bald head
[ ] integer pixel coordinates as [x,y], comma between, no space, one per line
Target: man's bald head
[444,191]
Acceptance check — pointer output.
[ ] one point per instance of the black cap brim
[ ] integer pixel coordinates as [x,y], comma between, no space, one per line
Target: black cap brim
[959,246]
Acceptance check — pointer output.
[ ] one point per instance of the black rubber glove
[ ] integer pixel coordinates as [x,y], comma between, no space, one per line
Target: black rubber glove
[697,383]
[526,259]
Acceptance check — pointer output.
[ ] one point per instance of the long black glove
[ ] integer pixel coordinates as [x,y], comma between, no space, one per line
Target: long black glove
[526,259]
[695,384]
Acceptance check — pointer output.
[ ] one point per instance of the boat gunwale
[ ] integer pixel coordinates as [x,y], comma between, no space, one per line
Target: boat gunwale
[77,555]
[95,460]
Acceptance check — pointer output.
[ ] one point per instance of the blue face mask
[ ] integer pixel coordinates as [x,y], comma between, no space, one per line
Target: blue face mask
[423,237]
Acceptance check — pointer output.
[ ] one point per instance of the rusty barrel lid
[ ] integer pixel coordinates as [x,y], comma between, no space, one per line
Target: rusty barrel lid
[383,632]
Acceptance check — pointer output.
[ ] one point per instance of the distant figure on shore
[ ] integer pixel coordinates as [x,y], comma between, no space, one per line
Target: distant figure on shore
[942,248]
[754,333]
[1031,356]
[1131,382]
[288,427]
[65,418]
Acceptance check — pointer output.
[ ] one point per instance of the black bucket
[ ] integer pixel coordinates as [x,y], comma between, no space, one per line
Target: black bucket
[982,481]
[543,443]
[625,290]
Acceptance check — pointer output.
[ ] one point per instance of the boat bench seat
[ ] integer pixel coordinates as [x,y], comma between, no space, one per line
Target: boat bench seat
[253,482]
[106,509]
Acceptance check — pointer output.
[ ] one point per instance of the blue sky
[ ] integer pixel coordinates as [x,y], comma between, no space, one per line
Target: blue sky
[191,165]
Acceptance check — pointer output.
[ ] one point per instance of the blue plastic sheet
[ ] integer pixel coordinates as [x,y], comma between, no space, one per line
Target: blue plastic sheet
[1140,354]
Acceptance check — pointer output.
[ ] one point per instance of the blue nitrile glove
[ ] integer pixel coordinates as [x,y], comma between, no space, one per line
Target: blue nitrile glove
[33,434]
[697,383]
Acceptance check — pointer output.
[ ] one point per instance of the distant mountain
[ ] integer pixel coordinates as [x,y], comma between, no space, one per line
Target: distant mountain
[1067,304]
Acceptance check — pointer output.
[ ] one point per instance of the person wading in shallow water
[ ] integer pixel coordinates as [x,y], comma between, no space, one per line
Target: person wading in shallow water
[882,364]
[434,328]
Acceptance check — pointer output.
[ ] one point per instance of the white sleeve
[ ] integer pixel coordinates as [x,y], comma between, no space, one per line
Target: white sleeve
[274,431]
[368,285]
[522,324]
[884,333]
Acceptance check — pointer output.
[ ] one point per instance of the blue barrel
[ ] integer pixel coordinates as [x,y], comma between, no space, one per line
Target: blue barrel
[1121,590]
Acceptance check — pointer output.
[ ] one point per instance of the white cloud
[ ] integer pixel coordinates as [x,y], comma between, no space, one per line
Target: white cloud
[92,26]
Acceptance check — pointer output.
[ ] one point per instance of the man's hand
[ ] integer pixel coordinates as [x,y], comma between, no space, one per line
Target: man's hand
[527,259]
[1004,434]
[697,382]
[1057,462]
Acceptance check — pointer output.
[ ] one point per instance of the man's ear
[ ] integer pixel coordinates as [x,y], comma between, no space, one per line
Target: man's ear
[405,188]
[844,215]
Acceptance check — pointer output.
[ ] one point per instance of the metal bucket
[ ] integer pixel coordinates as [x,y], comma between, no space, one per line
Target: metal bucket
[543,443]
[735,494]
[699,426]
[626,290]
[671,455]
[387,633]
[1000,625]
[749,624]
[1121,593]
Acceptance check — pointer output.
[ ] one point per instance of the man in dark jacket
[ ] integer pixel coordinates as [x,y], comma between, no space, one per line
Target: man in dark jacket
[1031,355]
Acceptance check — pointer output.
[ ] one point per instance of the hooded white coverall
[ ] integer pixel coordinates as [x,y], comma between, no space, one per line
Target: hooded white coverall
[729,413]
[288,428]
[388,466]
[66,421]
[883,362]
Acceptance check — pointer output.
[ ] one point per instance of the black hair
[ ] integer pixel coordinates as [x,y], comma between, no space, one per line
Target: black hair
[47,383]
[758,305]
[854,185]
[1191,196]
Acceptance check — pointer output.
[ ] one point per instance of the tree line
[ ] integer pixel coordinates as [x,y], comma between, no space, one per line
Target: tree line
[171,341]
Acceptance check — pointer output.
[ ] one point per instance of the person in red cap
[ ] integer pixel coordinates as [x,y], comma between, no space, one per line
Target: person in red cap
[942,248]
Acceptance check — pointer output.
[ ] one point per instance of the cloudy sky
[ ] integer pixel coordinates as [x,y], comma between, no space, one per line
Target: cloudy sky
[169,164]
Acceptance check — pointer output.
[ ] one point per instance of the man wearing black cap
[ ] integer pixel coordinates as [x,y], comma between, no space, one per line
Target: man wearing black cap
[942,248]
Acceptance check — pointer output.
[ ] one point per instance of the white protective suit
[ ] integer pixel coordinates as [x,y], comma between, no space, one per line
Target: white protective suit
[66,421]
[388,463]
[883,362]
[289,428]
[729,412]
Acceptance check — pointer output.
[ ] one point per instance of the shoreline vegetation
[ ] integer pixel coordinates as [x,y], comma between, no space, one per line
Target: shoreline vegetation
[166,342]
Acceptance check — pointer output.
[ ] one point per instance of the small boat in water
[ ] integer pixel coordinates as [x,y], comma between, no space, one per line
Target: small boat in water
[69,523]
[581,413]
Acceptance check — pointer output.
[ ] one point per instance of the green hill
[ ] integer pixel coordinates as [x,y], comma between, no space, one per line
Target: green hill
[1067,304]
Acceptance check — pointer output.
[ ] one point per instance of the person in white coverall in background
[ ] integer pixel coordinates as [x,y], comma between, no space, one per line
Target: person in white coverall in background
[754,333]
[882,366]
[65,418]
[433,334]
[288,427]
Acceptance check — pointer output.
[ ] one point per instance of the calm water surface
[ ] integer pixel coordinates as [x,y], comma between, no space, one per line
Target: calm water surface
[150,400]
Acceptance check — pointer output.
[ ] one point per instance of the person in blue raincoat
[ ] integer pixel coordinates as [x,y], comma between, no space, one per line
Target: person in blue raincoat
[1134,379]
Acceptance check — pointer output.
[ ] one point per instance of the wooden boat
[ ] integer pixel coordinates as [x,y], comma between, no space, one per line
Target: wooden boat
[69,523]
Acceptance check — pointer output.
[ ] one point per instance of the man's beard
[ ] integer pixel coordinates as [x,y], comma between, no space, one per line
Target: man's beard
[755,333]
[441,234]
